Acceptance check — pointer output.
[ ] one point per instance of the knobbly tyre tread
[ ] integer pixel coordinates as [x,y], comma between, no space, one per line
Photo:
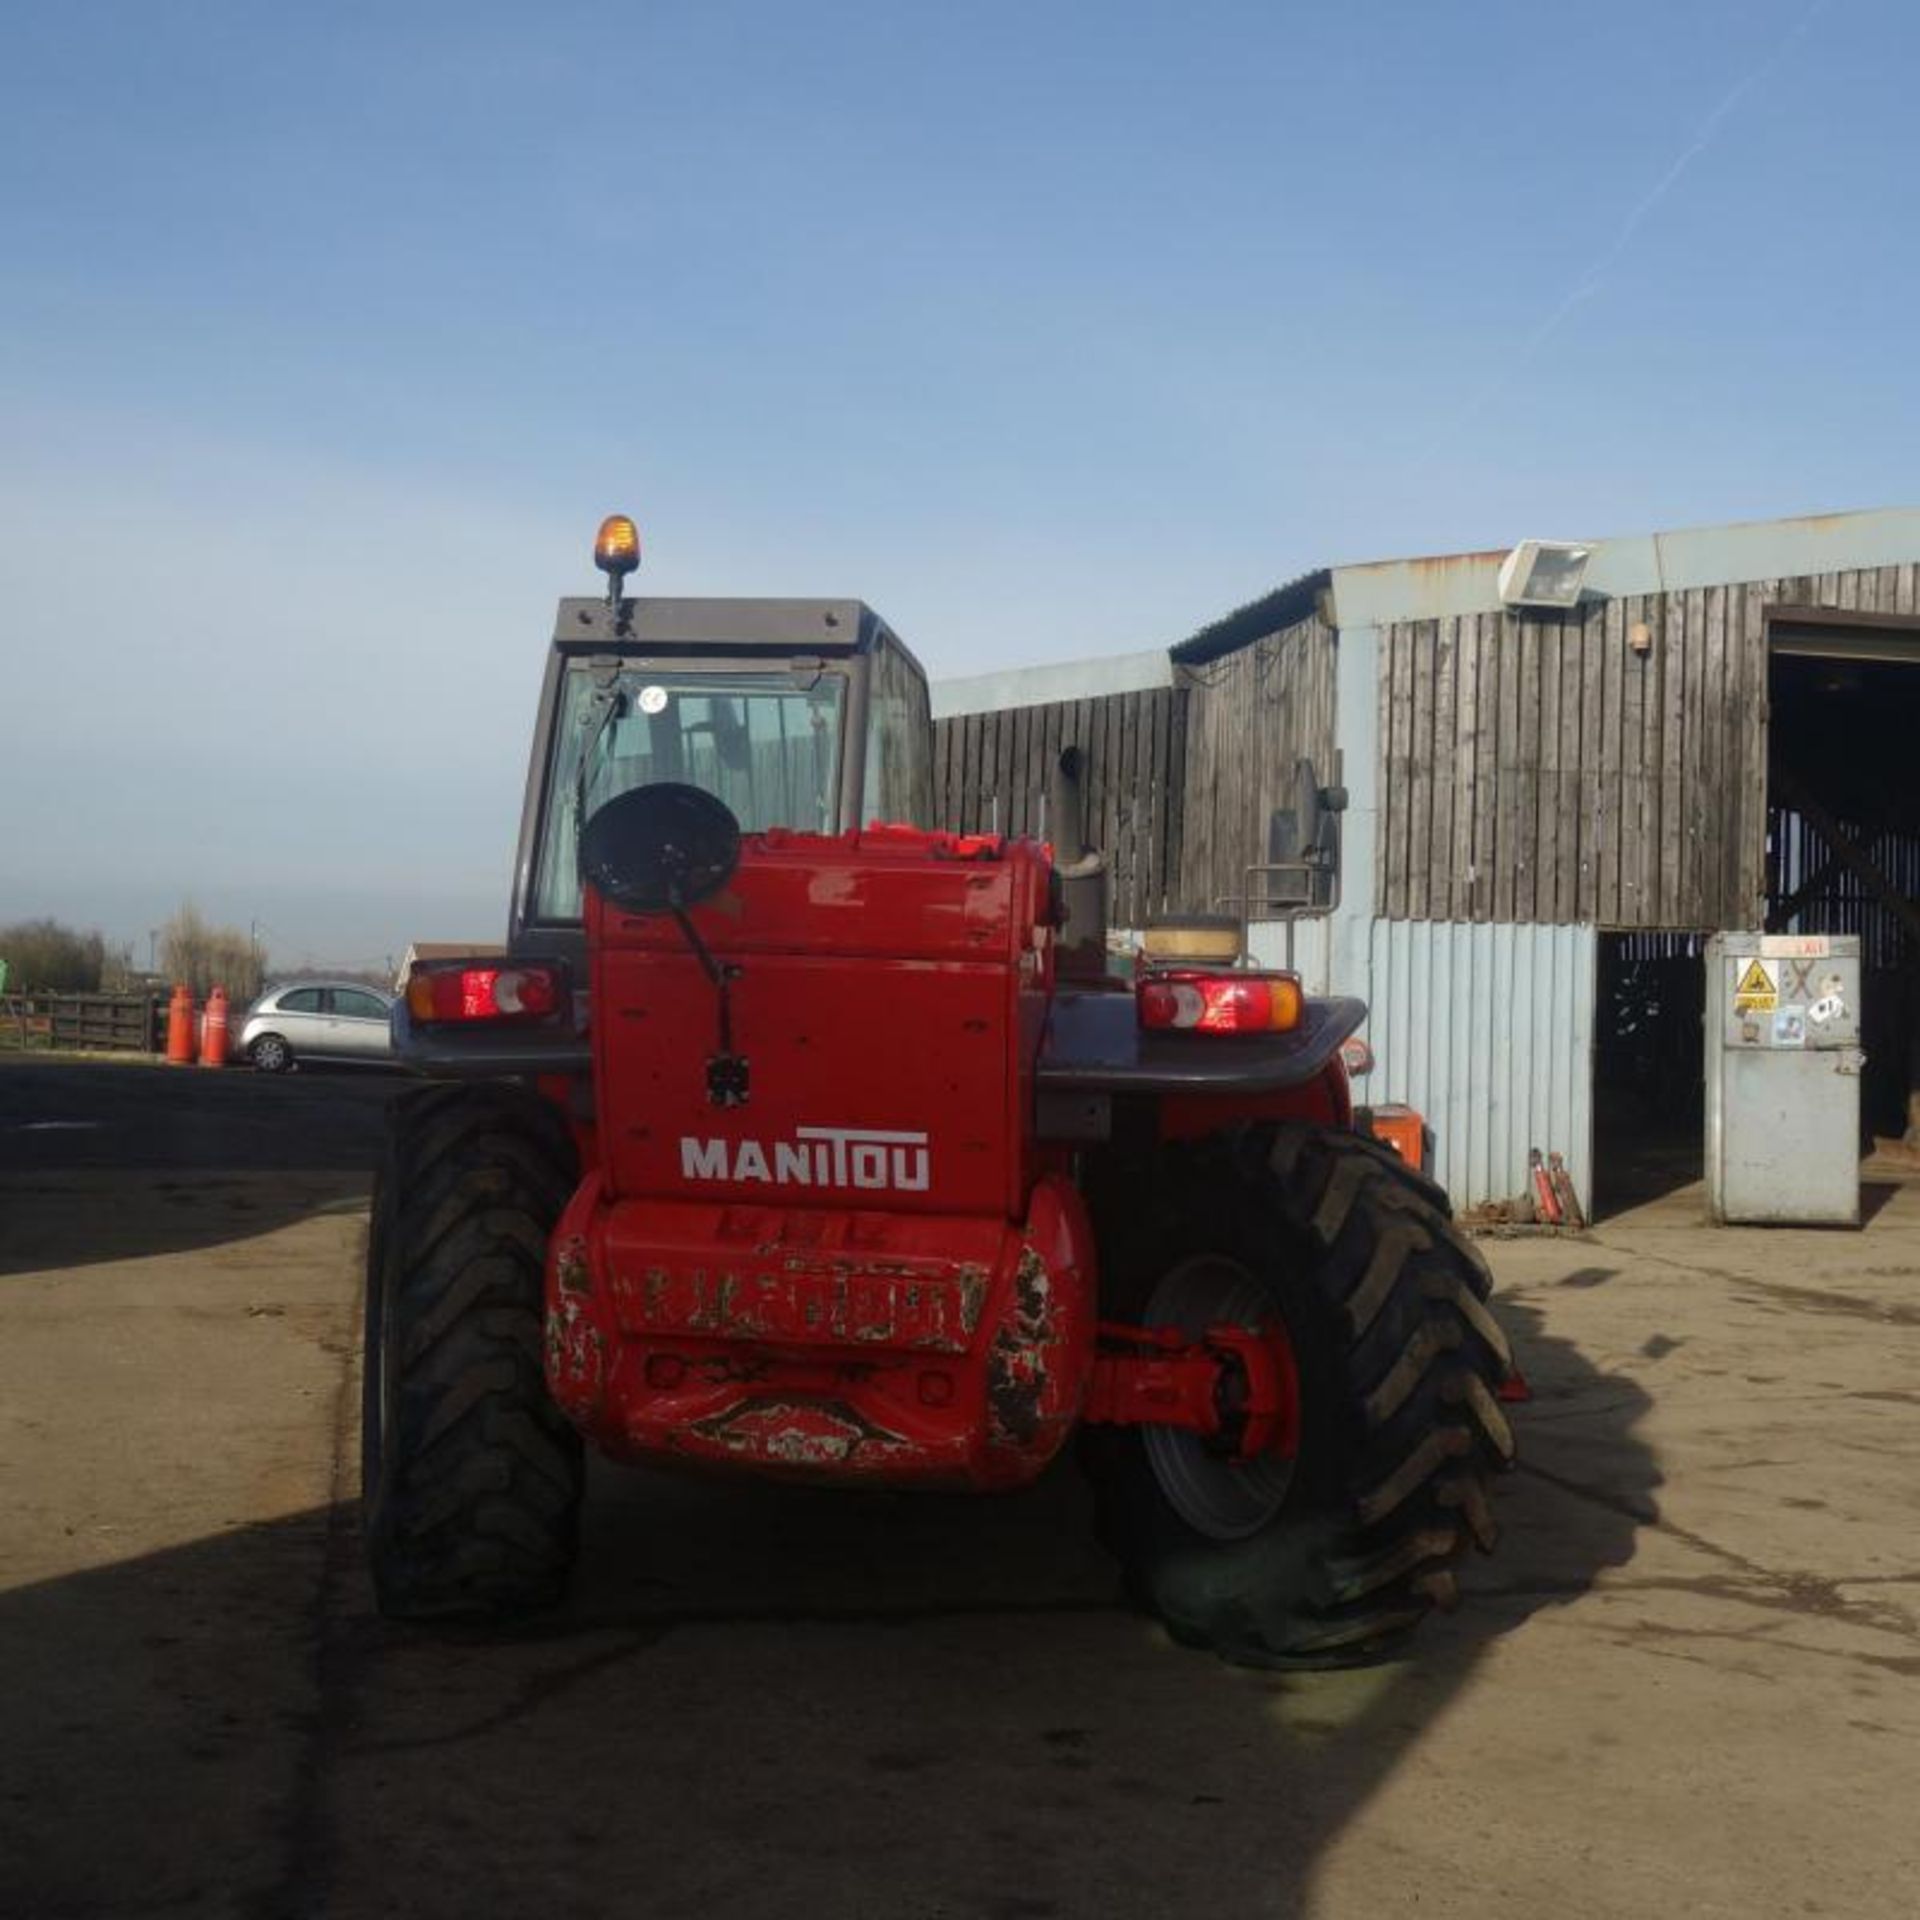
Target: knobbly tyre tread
[471,1500]
[1399,1357]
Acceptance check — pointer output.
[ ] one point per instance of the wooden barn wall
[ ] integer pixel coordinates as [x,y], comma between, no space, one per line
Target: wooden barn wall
[991,776]
[1538,770]
[1250,716]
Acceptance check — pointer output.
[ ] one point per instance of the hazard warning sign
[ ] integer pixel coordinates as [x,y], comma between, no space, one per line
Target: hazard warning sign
[1756,990]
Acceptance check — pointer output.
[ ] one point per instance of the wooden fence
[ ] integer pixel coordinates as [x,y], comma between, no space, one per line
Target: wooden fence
[120,1022]
[1181,780]
[991,775]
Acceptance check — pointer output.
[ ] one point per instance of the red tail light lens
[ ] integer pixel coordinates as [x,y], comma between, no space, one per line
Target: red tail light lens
[456,992]
[1188,1001]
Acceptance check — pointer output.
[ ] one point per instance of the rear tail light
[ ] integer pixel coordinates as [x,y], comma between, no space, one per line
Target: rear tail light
[1186,1000]
[457,992]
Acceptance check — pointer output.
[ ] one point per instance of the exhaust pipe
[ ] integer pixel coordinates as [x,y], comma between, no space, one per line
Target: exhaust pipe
[1080,872]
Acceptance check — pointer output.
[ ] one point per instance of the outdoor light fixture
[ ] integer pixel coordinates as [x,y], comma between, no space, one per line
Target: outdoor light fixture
[1544,573]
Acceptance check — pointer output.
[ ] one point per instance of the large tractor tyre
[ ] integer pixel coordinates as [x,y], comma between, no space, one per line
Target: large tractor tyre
[1331,1557]
[470,1475]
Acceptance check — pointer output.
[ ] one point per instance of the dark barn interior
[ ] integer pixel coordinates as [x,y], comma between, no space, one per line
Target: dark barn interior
[1648,1084]
[1843,839]
[1842,857]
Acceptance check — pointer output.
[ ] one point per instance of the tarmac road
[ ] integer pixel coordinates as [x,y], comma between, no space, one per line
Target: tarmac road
[1690,1679]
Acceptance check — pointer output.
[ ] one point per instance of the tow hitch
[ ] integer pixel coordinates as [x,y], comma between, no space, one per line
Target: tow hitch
[1233,1386]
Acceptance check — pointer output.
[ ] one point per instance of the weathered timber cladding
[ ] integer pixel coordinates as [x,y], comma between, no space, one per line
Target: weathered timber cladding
[1250,716]
[991,775]
[1181,780]
[1536,769]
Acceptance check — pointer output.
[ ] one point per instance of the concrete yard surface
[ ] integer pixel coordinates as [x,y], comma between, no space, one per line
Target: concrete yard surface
[1689,1680]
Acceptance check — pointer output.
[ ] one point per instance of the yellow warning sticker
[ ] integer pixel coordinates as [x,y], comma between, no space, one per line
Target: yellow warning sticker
[1757,991]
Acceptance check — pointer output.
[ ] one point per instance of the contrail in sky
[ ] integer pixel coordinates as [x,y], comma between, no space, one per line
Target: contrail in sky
[1590,282]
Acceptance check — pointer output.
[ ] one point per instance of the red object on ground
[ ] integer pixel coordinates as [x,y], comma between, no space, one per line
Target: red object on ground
[1514,1389]
[1546,1203]
[180,1028]
[213,1030]
[1562,1183]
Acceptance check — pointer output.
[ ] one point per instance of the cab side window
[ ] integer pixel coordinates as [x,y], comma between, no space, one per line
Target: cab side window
[302,1000]
[358,1006]
[898,786]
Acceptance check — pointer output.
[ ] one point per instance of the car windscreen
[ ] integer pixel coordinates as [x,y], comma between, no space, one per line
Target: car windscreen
[768,744]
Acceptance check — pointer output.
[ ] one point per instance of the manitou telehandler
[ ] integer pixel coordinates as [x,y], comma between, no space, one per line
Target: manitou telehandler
[792,1136]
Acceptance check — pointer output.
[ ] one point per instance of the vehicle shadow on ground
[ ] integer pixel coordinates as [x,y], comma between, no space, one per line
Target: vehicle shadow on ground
[103,1162]
[759,1703]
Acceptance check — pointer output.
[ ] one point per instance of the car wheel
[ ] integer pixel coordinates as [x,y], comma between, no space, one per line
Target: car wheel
[271,1054]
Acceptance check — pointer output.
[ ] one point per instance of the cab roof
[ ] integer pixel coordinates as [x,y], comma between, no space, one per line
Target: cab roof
[823,627]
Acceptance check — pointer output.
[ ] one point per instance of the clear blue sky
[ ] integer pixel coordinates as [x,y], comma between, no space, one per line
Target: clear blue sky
[328,333]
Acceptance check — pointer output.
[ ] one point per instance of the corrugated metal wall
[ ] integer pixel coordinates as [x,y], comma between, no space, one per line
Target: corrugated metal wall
[1488,1031]
[1308,953]
[1540,769]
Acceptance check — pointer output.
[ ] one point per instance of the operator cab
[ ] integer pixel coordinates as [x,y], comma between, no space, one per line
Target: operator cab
[805,714]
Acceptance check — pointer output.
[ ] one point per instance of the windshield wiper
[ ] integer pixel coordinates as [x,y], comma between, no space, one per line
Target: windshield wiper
[606,704]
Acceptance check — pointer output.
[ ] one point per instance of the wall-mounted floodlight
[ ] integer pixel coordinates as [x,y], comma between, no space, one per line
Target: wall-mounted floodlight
[1544,573]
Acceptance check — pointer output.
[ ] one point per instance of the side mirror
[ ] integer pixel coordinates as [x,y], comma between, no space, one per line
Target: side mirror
[660,848]
[1303,841]
[1314,809]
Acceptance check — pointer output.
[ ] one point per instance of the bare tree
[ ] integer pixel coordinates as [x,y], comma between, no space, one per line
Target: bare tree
[117,971]
[203,955]
[43,956]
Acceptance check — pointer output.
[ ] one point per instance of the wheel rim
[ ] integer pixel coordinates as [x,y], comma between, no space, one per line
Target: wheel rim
[270,1054]
[1216,1495]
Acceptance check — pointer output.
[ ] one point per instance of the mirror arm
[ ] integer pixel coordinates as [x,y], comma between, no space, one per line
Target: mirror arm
[726,1071]
[708,964]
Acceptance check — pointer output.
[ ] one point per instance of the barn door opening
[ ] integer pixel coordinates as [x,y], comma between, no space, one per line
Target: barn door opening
[1648,1085]
[1843,829]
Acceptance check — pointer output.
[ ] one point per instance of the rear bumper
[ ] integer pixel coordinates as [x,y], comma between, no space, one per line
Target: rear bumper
[825,1345]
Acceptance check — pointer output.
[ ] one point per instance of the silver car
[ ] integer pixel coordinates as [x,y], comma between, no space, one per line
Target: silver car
[316,1020]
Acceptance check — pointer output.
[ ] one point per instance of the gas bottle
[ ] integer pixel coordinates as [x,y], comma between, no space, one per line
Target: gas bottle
[213,1033]
[180,1028]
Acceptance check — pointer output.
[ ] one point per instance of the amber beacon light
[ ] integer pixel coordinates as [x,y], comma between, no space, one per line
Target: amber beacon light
[616,551]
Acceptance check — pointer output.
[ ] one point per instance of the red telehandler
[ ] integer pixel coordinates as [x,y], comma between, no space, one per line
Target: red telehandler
[785,1144]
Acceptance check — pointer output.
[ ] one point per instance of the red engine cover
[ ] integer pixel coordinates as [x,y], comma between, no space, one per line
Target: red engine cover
[891,992]
[855,1273]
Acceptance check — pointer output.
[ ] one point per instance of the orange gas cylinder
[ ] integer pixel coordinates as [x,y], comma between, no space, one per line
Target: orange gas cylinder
[213,1031]
[180,1028]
